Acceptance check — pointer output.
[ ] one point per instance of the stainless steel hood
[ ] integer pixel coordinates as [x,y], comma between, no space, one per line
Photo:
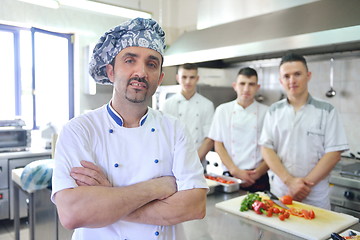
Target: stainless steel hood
[325,26]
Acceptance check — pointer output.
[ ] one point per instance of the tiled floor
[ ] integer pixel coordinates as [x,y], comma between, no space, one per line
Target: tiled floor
[7,230]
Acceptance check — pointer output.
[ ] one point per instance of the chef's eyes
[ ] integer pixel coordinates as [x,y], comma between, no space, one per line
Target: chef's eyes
[150,64]
[129,61]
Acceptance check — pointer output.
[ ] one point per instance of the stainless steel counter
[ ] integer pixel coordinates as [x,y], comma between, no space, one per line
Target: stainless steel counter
[220,225]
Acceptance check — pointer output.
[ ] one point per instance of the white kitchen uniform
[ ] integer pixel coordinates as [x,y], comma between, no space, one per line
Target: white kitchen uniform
[196,113]
[239,129]
[300,139]
[159,147]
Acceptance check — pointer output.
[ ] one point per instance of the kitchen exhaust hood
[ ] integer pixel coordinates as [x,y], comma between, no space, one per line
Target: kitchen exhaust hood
[325,26]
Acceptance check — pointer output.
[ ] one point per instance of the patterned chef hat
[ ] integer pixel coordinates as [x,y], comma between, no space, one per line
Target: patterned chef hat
[137,32]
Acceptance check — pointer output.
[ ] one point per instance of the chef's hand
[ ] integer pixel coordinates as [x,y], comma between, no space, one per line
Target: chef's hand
[244,175]
[254,175]
[89,175]
[299,188]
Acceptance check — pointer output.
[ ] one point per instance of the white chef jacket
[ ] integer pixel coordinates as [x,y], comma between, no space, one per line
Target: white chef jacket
[196,113]
[159,147]
[300,139]
[239,129]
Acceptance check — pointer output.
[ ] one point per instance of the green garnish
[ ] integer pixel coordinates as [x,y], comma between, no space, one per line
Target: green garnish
[248,201]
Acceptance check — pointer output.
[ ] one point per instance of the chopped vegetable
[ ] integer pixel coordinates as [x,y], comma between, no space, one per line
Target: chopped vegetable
[253,201]
[219,179]
[286,200]
[269,212]
[248,201]
[259,207]
[276,210]
[269,203]
[307,214]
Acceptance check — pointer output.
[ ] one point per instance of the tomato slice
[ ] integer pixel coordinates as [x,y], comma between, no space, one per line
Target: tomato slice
[268,203]
[286,199]
[296,212]
[311,214]
[282,217]
[276,210]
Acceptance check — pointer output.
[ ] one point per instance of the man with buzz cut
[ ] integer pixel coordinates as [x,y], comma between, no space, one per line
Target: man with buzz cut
[193,109]
[302,138]
[236,129]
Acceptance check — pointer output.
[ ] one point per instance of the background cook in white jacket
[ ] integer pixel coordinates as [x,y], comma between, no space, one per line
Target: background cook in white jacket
[193,109]
[302,138]
[236,129]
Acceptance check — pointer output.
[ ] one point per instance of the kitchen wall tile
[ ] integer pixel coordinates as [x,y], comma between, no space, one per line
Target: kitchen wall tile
[351,124]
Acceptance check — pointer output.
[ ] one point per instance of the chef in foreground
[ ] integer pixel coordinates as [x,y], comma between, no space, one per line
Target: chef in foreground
[302,138]
[124,170]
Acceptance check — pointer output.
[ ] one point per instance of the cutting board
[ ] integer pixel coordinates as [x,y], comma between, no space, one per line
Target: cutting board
[325,222]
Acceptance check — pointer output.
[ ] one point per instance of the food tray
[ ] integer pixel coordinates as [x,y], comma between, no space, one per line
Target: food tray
[224,187]
[211,184]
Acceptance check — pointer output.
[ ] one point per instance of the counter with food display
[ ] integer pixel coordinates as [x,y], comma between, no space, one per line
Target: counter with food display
[221,223]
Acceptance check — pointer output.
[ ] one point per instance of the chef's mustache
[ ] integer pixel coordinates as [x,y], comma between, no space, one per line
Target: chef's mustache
[138,79]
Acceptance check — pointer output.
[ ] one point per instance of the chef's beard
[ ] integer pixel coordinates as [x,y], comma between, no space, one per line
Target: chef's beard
[136,100]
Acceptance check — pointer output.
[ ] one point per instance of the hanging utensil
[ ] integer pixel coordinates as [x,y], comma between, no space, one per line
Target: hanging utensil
[331,92]
[259,97]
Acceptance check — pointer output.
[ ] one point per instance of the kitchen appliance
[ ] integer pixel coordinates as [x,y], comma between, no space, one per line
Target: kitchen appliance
[336,30]
[8,162]
[162,93]
[216,94]
[345,190]
[13,137]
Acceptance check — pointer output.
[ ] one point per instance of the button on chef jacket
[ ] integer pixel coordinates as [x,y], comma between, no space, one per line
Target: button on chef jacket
[300,139]
[239,129]
[196,113]
[158,147]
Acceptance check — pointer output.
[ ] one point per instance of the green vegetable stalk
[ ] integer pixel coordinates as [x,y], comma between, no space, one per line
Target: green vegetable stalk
[248,201]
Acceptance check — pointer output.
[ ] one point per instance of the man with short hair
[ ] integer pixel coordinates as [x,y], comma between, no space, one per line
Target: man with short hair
[302,138]
[193,109]
[236,129]
[124,170]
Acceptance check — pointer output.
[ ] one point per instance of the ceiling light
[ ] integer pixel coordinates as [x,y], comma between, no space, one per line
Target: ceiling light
[44,3]
[104,8]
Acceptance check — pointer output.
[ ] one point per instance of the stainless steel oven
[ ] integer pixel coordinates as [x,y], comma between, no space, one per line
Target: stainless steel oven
[13,137]
[216,94]
[345,190]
